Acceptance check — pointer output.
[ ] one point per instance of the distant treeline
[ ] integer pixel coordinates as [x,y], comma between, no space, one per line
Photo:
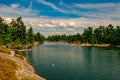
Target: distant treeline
[14,34]
[101,35]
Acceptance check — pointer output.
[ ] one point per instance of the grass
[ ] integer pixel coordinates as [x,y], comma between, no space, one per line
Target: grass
[4,50]
[20,55]
[7,69]
[28,78]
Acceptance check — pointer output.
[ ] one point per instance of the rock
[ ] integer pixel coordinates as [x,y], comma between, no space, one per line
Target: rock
[24,69]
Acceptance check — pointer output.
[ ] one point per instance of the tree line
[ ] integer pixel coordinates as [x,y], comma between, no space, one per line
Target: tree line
[15,35]
[100,35]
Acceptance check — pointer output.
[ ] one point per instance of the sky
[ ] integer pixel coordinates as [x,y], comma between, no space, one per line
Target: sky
[51,17]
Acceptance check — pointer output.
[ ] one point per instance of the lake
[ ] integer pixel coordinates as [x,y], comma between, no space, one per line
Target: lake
[62,61]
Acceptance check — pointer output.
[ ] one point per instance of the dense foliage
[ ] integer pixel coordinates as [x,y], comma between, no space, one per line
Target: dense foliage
[15,35]
[100,35]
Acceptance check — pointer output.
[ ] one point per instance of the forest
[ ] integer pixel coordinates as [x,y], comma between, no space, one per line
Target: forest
[100,35]
[15,35]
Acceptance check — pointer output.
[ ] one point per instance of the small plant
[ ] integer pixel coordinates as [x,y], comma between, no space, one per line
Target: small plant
[21,53]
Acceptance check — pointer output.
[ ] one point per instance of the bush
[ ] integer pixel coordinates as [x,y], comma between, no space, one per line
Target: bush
[21,53]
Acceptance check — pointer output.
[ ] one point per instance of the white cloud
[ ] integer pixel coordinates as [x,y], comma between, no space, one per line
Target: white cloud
[106,13]
[62,24]
[72,23]
[15,10]
[97,5]
[67,26]
[52,26]
[102,10]
[14,5]
[51,5]
[70,29]
[98,10]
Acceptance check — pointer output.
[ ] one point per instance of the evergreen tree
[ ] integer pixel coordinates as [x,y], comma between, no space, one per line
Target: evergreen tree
[87,35]
[38,37]
[29,36]
[18,30]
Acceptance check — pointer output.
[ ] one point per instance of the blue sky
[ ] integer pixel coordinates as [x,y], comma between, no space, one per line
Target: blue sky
[62,16]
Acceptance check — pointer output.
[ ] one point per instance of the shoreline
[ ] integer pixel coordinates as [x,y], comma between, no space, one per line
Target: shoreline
[23,50]
[94,45]
[87,44]
[91,45]
[25,69]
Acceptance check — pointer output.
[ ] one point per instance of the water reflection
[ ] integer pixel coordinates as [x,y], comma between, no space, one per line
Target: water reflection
[75,62]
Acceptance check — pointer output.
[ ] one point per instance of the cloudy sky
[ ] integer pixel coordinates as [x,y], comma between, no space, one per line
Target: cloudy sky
[62,16]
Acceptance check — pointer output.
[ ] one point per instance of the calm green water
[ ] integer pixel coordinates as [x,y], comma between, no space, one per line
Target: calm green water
[61,61]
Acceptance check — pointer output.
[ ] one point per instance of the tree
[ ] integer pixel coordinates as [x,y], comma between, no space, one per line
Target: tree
[116,34]
[4,32]
[18,30]
[38,37]
[109,34]
[21,30]
[99,34]
[29,36]
[87,35]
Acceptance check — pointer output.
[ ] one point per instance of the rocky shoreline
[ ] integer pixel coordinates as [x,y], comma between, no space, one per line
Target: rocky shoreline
[94,45]
[24,68]
[87,44]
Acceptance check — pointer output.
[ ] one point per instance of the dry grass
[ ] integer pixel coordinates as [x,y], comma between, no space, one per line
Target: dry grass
[4,50]
[7,69]
[28,78]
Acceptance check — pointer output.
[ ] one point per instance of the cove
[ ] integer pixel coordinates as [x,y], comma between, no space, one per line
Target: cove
[62,61]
